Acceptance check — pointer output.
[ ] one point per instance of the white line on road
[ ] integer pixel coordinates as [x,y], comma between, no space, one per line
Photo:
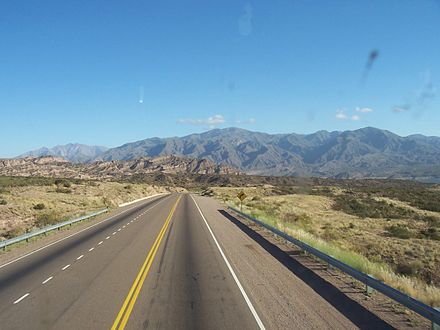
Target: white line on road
[65,267]
[119,229]
[245,296]
[100,242]
[21,298]
[82,255]
[78,232]
[47,280]
[107,237]
[91,249]
[123,226]
[114,233]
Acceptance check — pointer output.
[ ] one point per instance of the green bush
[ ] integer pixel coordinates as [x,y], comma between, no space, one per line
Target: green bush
[409,268]
[47,219]
[431,233]
[3,202]
[63,182]
[400,232]
[39,206]
[63,190]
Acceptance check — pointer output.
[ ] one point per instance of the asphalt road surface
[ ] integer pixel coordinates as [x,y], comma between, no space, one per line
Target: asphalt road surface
[171,262]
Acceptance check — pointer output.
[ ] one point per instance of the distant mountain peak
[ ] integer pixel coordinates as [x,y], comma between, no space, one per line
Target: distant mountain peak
[74,152]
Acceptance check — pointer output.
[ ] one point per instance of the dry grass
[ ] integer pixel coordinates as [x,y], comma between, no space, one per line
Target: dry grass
[364,243]
[33,205]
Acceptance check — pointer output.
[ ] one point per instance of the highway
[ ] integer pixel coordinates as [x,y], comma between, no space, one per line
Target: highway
[170,262]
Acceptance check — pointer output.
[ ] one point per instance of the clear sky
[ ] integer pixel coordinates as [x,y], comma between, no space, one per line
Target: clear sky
[110,72]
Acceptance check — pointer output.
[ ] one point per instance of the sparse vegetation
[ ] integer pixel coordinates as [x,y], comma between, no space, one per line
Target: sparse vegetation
[400,232]
[37,202]
[63,190]
[3,202]
[47,219]
[367,207]
[358,223]
[39,206]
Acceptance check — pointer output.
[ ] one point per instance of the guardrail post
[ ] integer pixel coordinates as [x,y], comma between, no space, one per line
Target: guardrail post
[368,289]
[436,326]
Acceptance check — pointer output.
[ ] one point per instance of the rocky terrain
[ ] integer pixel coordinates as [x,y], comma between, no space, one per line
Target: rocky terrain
[49,166]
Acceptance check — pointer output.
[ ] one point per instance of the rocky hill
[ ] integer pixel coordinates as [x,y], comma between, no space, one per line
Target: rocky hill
[50,166]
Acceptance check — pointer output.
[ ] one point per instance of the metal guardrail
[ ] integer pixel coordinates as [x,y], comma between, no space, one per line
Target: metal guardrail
[415,305]
[5,243]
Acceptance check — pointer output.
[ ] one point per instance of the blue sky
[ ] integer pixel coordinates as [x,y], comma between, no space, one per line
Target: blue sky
[74,71]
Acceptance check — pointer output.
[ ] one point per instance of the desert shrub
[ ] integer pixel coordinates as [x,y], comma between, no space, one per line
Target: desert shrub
[39,206]
[107,202]
[63,190]
[47,219]
[3,202]
[400,232]
[14,232]
[63,182]
[407,268]
[433,221]
[431,233]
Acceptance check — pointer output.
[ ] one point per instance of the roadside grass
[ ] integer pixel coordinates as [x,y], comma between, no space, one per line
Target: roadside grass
[381,271]
[36,202]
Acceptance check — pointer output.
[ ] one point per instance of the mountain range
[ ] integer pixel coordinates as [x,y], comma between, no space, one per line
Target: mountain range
[364,153]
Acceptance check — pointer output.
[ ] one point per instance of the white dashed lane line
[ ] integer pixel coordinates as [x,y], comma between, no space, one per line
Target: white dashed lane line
[21,298]
[78,258]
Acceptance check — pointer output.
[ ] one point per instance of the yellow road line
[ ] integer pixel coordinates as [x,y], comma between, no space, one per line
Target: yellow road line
[124,313]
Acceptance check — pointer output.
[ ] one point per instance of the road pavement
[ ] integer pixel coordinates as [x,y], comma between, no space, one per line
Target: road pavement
[172,262]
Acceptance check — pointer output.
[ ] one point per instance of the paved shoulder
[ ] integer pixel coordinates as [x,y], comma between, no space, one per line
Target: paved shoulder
[284,300]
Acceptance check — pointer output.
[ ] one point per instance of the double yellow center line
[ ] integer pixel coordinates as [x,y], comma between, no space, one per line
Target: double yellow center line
[127,307]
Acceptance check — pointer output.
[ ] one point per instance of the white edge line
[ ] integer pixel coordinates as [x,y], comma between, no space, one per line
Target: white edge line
[21,298]
[64,238]
[91,249]
[65,267]
[245,296]
[100,242]
[107,237]
[47,280]
[80,257]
